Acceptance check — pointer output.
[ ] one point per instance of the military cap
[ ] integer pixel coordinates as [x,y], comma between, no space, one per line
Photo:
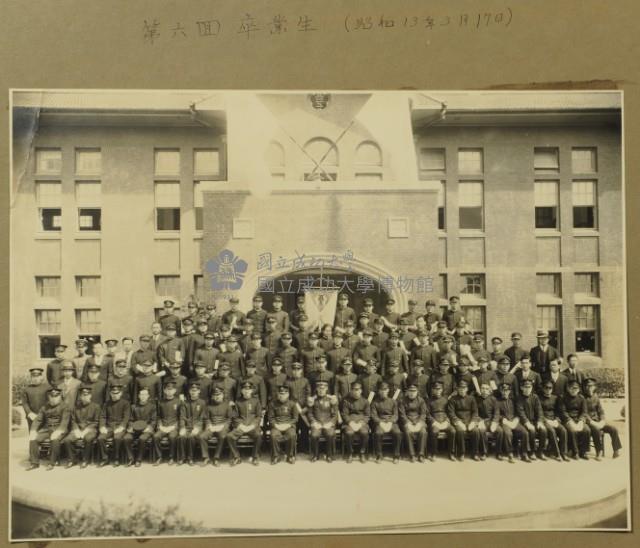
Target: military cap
[234,300]
[170,327]
[590,381]
[145,362]
[349,323]
[286,335]
[391,301]
[463,382]
[276,361]
[145,338]
[343,297]
[394,363]
[303,317]
[36,368]
[54,391]
[364,315]
[516,335]
[368,302]
[277,299]
[257,298]
[169,303]
[93,367]
[232,338]
[503,359]
[202,321]
[175,365]
[321,359]
[547,384]
[209,336]
[246,384]
[192,304]
[199,363]
[418,363]
[322,382]
[81,342]
[283,388]
[454,299]
[250,363]
[573,382]
[187,321]
[225,366]
[430,302]
[296,365]
[355,384]
[394,334]
[121,361]
[383,385]
[347,361]
[85,390]
[496,340]
[68,366]
[527,382]
[404,321]
[478,337]
[338,333]
[441,323]
[412,387]
[256,336]
[444,361]
[300,298]
[367,333]
[169,383]
[60,347]
[438,384]
[412,302]
[271,319]
[193,383]
[115,387]
[217,390]
[483,359]
[423,333]
[505,385]
[211,306]
[542,334]
[313,335]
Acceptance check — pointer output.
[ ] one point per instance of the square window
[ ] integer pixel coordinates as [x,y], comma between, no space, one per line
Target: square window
[49,161]
[548,318]
[472,284]
[89,219]
[584,204]
[48,321]
[441,288]
[206,162]
[50,219]
[167,162]
[49,194]
[168,286]
[167,202]
[470,202]
[88,321]
[475,316]
[89,194]
[88,287]
[48,286]
[47,345]
[88,161]
[167,218]
[470,161]
[546,204]
[587,328]
[548,285]
[588,283]
[432,159]
[583,160]
[546,159]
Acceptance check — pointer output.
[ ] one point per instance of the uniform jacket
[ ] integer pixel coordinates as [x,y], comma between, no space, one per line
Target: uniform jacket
[488,408]
[464,408]
[282,319]
[507,408]
[235,360]
[115,414]
[398,354]
[228,386]
[327,376]
[105,363]
[98,391]
[595,411]
[192,414]
[257,317]
[366,353]
[152,382]
[52,417]
[427,354]
[529,408]
[219,413]
[437,409]
[85,416]
[263,360]
[344,314]
[273,382]
[384,410]
[248,412]
[282,412]
[559,383]
[299,390]
[574,407]
[323,410]
[34,397]
[355,409]
[170,319]
[413,410]
[335,356]
[308,357]
[540,358]
[447,383]
[550,406]
[146,412]
[208,356]
[515,354]
[169,411]
[343,384]
[532,376]
[259,389]
[370,383]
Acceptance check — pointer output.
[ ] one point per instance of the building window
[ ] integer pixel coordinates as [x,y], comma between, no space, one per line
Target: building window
[88,287]
[584,204]
[441,287]
[368,162]
[442,204]
[48,327]
[88,161]
[548,285]
[546,160]
[324,164]
[432,160]
[168,286]
[167,201]
[472,284]
[470,161]
[48,287]
[587,328]
[546,204]
[584,160]
[475,318]
[470,202]
[167,162]
[49,200]
[199,288]
[88,323]
[89,200]
[198,204]
[548,318]
[206,162]
[588,283]
[275,159]
[48,161]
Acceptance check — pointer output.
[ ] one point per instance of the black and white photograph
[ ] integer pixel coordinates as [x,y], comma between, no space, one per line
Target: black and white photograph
[317,312]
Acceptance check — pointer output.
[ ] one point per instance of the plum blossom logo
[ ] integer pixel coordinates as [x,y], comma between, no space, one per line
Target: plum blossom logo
[227,270]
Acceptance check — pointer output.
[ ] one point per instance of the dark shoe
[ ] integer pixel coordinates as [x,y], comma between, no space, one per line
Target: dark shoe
[275,460]
[525,457]
[235,460]
[171,462]
[533,457]
[158,462]
[130,463]
[349,459]
[510,458]
[216,462]
[483,457]
[83,465]
[565,458]
[616,454]
[33,467]
[452,458]
[103,463]
[329,459]
[396,460]
[378,459]
[291,459]
[476,458]
[557,457]
[584,456]
[461,458]
[190,462]
[542,457]
[420,458]
[50,467]
[313,459]
[254,461]
[138,464]
[70,464]
[206,461]
[363,459]
[180,462]
[116,463]
[412,459]
[499,457]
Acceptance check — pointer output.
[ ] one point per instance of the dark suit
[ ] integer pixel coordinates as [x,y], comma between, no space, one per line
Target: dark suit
[540,358]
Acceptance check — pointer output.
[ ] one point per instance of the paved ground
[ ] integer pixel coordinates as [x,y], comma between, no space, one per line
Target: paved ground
[329,496]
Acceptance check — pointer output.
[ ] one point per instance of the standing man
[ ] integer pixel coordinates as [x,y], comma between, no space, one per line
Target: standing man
[431,317]
[311,353]
[114,420]
[294,315]
[453,314]
[543,354]
[99,358]
[515,352]
[189,342]
[257,315]
[84,427]
[141,355]
[390,318]
[214,320]
[54,367]
[34,396]
[208,355]
[524,373]
[281,317]
[81,355]
[367,308]
[395,352]
[51,425]
[343,312]
[572,373]
[259,355]
[97,385]
[557,378]
[411,315]
[365,350]
[69,384]
[171,350]
[233,316]
[424,352]
[168,318]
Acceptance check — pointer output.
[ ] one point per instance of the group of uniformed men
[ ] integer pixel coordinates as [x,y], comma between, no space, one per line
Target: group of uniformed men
[209,380]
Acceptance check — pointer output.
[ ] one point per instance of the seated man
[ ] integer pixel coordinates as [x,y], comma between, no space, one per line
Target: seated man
[511,426]
[384,414]
[169,411]
[413,417]
[489,420]
[597,423]
[85,417]
[323,417]
[114,420]
[191,423]
[574,418]
[141,426]
[529,410]
[283,420]
[217,420]
[356,412]
[246,423]
[555,431]
[463,414]
[50,425]
[439,421]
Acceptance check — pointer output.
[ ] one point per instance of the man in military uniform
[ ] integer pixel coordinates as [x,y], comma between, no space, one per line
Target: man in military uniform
[496,349]
[424,352]
[504,375]
[350,339]
[214,320]
[283,420]
[356,412]
[114,420]
[597,423]
[390,318]
[141,355]
[179,380]
[551,410]
[344,379]
[411,315]
[438,419]
[189,341]
[287,353]
[463,414]
[169,411]
[121,376]
[364,323]
[69,384]
[233,356]
[244,339]
[246,423]
[365,351]
[486,375]
[380,338]
[204,381]
[431,317]
[311,353]
[225,382]
[453,314]
[395,352]
[510,422]
[531,417]
[489,420]
[50,425]
[343,312]
[149,381]
[321,374]
[171,350]
[97,385]
[202,328]
[338,353]
[443,377]
[413,417]
[463,373]
[217,422]
[440,332]
[81,356]
[192,312]
[370,380]
[384,415]
[367,308]
[85,417]
[323,417]
[304,332]
[141,426]
[208,354]
[515,352]
[446,352]
[111,348]
[191,423]
[257,381]
[34,396]
[234,317]
[419,378]
[294,315]
[543,354]
[281,317]
[54,367]
[168,318]
[394,378]
[574,417]
[271,337]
